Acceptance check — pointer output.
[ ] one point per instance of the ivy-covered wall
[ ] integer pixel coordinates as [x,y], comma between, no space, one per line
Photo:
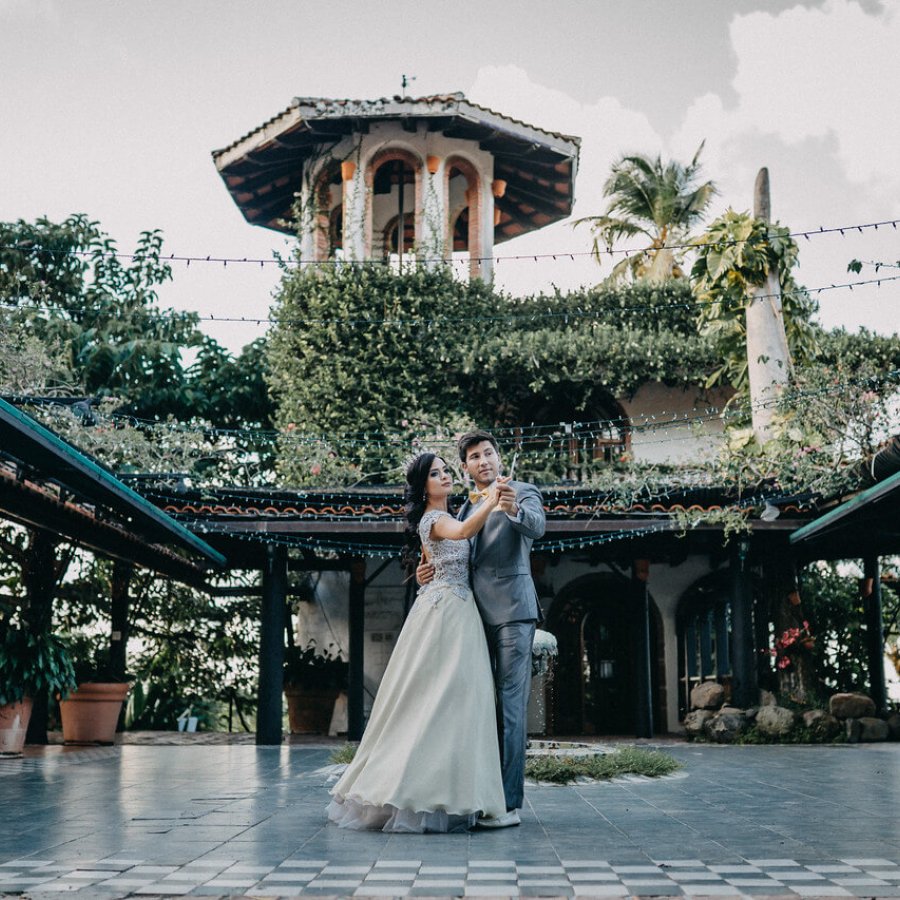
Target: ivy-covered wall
[364,360]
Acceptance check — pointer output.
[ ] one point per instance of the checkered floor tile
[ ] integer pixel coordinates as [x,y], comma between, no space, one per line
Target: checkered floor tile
[851,877]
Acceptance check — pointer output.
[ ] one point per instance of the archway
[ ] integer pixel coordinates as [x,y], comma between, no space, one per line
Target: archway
[594,683]
[393,226]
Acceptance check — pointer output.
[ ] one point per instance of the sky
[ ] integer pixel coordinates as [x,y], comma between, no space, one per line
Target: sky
[113,109]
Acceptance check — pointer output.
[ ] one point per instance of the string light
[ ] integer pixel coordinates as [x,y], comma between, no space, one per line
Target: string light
[513,436]
[370,548]
[534,257]
[512,315]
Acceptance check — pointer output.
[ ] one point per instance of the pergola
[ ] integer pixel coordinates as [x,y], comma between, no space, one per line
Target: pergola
[865,527]
[256,529]
[53,488]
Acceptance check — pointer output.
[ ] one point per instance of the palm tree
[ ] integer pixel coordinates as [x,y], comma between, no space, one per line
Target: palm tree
[661,202]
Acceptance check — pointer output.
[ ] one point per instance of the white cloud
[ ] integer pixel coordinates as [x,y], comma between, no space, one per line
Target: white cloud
[813,103]
[607,129]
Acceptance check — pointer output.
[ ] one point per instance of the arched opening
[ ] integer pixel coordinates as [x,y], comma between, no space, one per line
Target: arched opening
[586,438]
[705,642]
[593,690]
[394,182]
[462,188]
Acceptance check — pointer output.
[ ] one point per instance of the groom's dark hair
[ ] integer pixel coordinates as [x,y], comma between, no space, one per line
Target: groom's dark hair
[471,438]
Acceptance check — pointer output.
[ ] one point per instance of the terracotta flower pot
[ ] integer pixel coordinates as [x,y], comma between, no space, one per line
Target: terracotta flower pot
[90,714]
[794,598]
[432,163]
[13,725]
[348,170]
[310,709]
[498,187]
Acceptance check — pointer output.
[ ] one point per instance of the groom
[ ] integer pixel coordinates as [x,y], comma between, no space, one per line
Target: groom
[507,600]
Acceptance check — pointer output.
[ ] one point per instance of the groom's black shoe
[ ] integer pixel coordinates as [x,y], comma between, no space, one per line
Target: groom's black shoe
[507,820]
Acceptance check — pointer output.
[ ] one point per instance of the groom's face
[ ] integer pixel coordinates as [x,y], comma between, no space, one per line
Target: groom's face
[483,463]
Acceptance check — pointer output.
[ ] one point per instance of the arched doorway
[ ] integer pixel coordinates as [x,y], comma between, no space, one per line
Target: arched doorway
[594,684]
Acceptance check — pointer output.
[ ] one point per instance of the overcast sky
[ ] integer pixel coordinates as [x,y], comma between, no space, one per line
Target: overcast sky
[113,109]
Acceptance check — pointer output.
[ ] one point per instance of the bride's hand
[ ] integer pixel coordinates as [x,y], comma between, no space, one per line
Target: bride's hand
[492,497]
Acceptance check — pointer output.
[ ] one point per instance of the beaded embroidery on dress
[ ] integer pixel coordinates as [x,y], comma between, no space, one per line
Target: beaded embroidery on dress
[450,558]
[429,758]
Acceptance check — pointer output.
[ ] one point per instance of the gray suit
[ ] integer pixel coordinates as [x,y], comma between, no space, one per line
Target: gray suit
[507,600]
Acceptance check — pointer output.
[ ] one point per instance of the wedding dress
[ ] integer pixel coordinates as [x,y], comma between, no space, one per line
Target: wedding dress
[429,758]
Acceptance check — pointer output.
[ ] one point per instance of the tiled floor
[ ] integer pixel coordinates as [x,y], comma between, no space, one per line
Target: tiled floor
[241,820]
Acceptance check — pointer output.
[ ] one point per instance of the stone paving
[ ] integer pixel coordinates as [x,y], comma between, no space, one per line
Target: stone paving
[237,820]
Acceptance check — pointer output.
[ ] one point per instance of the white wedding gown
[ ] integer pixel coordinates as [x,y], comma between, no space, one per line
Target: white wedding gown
[429,758]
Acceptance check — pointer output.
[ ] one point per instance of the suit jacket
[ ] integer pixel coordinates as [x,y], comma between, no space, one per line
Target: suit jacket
[500,559]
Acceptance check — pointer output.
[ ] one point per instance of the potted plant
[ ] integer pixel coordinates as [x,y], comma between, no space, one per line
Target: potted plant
[312,681]
[30,664]
[90,713]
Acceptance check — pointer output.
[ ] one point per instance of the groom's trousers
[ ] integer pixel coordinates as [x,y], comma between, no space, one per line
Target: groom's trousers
[510,645]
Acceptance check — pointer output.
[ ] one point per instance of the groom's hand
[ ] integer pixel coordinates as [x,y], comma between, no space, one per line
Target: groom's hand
[507,498]
[424,573]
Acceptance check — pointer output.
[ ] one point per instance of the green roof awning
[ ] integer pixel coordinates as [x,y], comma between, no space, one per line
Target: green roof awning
[866,525]
[56,460]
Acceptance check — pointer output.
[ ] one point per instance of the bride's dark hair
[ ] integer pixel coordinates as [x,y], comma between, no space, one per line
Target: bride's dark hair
[414,505]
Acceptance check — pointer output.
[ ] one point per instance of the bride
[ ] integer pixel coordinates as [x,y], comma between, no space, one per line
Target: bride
[429,758]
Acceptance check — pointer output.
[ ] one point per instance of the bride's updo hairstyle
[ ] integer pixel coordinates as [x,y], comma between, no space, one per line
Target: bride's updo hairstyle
[414,500]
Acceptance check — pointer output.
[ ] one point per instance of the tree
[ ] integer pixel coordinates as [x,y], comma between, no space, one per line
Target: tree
[734,256]
[67,285]
[661,202]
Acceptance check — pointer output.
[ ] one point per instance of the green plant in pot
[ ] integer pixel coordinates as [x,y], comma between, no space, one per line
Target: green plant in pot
[30,665]
[313,679]
[90,714]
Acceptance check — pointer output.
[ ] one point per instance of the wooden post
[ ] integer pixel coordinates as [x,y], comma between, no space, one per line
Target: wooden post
[743,673]
[768,357]
[643,718]
[118,638]
[357,622]
[269,710]
[40,575]
[874,631]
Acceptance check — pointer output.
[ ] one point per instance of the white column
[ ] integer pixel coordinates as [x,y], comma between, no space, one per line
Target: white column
[354,211]
[434,212]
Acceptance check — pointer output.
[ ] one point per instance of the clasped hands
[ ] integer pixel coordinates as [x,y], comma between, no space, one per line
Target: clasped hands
[499,495]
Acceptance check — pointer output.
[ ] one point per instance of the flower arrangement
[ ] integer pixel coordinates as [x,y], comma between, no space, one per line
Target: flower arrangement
[791,640]
[543,650]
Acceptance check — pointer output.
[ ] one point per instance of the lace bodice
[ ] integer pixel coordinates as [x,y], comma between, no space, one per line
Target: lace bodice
[450,558]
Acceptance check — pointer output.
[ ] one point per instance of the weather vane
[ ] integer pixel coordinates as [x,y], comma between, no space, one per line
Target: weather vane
[404,82]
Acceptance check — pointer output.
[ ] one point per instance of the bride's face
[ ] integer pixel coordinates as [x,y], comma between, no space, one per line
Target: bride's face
[440,480]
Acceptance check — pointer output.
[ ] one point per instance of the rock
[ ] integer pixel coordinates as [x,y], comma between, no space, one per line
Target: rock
[732,710]
[872,729]
[767,698]
[724,727]
[852,729]
[775,721]
[694,722]
[821,724]
[893,723]
[751,713]
[851,706]
[708,695]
